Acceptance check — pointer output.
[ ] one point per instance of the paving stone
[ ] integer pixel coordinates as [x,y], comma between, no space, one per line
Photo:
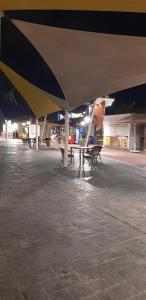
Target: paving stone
[10,290]
[139,297]
[65,237]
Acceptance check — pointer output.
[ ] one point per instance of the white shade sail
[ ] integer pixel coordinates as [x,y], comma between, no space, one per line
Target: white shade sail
[88,64]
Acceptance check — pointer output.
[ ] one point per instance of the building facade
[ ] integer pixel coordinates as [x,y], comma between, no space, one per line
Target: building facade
[125,131]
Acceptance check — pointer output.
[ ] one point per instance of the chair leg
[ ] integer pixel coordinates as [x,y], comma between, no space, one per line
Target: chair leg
[62,161]
[100,157]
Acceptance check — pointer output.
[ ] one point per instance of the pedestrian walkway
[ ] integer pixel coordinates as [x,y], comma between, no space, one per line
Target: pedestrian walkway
[136,159]
[65,235]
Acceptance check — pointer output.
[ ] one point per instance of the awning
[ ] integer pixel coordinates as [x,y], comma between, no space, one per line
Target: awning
[30,99]
[104,5]
[75,51]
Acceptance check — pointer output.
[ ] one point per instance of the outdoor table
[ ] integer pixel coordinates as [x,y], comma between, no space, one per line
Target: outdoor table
[81,151]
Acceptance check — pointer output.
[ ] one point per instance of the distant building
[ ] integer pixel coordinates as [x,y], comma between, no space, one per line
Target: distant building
[125,131]
[2,120]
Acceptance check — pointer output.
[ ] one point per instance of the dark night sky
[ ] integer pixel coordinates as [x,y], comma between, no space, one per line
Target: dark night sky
[129,100]
[126,101]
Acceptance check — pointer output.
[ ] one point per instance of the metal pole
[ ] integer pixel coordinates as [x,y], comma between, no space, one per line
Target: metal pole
[44,124]
[129,136]
[37,141]
[89,127]
[134,137]
[6,131]
[66,138]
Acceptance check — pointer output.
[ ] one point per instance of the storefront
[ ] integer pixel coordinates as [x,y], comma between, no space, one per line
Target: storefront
[125,131]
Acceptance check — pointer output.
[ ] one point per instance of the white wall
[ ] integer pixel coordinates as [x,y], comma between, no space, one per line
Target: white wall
[139,134]
[115,129]
[123,130]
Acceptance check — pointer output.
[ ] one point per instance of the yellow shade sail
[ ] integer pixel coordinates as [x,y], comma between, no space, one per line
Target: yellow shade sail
[40,102]
[92,5]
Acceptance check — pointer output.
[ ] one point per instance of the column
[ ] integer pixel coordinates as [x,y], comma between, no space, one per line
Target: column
[129,136]
[145,138]
[6,131]
[66,138]
[90,125]
[37,141]
[134,136]
[44,125]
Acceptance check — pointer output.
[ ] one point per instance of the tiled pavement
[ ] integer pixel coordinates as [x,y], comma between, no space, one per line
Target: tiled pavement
[134,159]
[70,234]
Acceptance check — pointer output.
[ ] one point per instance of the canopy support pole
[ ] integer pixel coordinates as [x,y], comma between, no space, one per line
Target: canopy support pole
[66,138]
[134,136]
[89,127]
[37,140]
[6,131]
[129,136]
[44,124]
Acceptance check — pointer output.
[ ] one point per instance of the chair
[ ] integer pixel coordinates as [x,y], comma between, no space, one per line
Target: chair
[70,156]
[93,155]
[96,152]
[25,143]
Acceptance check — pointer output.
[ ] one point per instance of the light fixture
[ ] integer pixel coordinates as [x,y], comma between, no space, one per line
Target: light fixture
[23,124]
[108,101]
[83,123]
[28,122]
[15,126]
[87,119]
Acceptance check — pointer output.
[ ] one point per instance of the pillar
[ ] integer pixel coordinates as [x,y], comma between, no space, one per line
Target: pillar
[90,125]
[134,136]
[66,138]
[44,125]
[37,137]
[129,136]
[6,131]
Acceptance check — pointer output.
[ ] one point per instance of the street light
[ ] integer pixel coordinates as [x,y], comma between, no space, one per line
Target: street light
[87,119]
[83,123]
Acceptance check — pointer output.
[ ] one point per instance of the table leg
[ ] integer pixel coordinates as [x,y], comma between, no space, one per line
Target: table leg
[83,156]
[80,156]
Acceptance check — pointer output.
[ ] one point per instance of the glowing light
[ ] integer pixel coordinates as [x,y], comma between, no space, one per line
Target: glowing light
[108,101]
[28,122]
[83,123]
[23,124]
[75,115]
[14,126]
[87,119]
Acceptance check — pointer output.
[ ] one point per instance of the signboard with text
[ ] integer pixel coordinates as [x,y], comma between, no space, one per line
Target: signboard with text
[32,131]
